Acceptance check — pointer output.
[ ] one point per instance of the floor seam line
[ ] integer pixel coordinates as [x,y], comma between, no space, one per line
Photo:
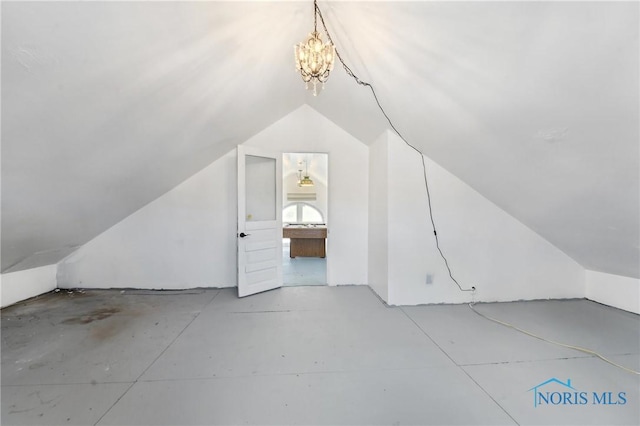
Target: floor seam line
[489,395]
[114,403]
[17,385]
[287,374]
[380,299]
[457,365]
[156,358]
[522,361]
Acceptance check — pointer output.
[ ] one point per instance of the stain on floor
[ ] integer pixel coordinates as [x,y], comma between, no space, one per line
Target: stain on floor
[96,315]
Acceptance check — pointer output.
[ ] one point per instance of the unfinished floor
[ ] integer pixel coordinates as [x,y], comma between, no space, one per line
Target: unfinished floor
[308,355]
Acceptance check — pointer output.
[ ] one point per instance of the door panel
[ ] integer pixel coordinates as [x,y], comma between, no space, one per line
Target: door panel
[259,221]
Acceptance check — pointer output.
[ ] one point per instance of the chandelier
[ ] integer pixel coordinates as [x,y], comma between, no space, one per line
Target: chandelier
[304,180]
[314,58]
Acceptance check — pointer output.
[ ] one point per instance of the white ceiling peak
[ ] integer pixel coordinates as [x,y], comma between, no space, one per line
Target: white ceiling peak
[107,105]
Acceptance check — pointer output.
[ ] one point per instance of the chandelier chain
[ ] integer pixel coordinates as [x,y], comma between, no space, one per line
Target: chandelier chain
[316,10]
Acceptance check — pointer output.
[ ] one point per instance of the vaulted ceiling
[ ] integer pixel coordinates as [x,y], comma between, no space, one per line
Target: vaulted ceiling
[107,105]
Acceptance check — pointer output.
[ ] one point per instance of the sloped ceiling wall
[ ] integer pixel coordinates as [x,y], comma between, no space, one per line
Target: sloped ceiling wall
[107,105]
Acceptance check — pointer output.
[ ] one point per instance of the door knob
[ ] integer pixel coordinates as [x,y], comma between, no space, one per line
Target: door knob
[242,235]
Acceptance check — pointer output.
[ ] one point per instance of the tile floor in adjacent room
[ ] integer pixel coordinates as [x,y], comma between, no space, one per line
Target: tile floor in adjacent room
[308,355]
[302,270]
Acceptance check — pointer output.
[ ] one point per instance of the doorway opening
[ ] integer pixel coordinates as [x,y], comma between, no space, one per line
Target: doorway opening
[305,194]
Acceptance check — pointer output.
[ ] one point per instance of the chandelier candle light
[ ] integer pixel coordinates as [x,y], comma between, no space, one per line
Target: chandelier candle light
[314,58]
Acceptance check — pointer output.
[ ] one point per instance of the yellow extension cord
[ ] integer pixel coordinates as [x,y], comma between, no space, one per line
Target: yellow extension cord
[577,348]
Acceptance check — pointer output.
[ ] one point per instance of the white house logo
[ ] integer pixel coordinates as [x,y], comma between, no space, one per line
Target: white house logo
[547,393]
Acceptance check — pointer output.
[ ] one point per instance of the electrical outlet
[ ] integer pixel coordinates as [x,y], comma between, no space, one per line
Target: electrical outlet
[429,279]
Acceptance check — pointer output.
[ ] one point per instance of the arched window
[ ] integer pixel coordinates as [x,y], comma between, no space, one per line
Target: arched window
[301,213]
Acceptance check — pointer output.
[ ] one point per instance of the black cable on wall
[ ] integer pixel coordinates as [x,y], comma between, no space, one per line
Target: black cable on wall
[351,74]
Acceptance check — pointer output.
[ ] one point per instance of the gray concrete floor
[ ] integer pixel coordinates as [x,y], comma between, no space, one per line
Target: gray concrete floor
[307,355]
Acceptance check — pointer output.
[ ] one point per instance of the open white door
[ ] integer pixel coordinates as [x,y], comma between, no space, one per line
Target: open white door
[259,220]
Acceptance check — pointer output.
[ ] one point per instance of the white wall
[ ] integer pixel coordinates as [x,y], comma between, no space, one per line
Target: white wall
[378,218]
[486,247]
[305,130]
[187,237]
[21,285]
[614,290]
[184,239]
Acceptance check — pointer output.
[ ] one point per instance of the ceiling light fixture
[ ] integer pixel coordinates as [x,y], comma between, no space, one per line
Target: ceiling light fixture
[314,58]
[304,180]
